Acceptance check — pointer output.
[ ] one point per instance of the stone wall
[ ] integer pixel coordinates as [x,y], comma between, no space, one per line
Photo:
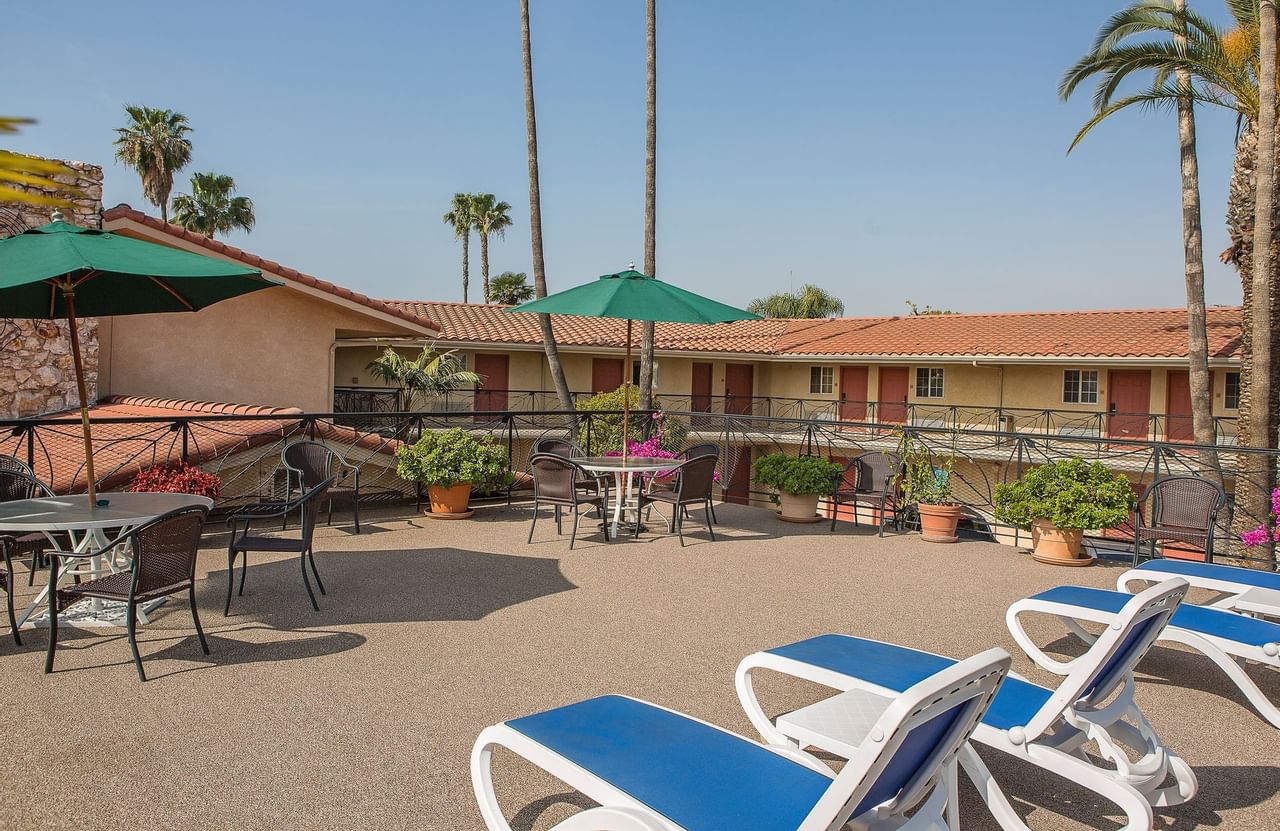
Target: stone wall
[37,375]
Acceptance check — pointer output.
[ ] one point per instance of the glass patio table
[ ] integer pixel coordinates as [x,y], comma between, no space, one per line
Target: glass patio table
[87,527]
[625,471]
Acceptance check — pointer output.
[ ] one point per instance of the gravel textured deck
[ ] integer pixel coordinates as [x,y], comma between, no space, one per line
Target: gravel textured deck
[362,716]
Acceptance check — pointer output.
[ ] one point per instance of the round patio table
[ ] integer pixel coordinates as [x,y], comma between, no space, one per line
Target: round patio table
[87,526]
[624,471]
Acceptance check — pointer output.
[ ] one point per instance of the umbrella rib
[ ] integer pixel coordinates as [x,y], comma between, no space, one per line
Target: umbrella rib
[162,284]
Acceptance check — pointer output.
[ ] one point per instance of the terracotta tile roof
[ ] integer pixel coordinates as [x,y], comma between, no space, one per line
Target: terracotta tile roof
[479,323]
[1121,333]
[254,261]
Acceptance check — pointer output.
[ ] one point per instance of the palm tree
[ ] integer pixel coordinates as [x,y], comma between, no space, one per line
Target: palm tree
[491,218]
[1224,70]
[510,289]
[809,302]
[211,209]
[430,373]
[154,144]
[1112,37]
[461,218]
[535,216]
[650,194]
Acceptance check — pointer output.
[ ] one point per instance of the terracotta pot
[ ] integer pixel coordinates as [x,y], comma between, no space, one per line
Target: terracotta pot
[1058,546]
[801,507]
[938,522]
[449,500]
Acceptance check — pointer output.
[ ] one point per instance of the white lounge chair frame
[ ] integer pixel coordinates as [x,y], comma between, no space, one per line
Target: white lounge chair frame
[1137,578]
[971,683]
[1053,739]
[1230,656]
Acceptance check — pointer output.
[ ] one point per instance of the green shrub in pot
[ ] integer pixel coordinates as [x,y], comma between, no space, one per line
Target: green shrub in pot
[453,458]
[1058,501]
[798,481]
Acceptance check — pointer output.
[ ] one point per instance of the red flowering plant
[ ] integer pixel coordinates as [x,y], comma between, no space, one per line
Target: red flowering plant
[176,479]
[1261,534]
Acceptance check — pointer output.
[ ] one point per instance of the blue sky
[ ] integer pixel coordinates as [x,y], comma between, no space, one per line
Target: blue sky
[885,151]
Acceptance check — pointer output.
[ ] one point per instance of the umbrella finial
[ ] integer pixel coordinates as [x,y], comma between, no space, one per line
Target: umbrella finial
[57,215]
[632,265]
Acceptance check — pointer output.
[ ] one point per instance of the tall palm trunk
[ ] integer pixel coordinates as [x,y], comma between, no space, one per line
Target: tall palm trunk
[466,265]
[650,195]
[1193,254]
[484,263]
[535,216]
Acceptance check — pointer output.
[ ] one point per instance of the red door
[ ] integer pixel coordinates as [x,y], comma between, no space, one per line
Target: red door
[606,374]
[738,489]
[1178,425]
[853,393]
[701,390]
[1129,401]
[739,387]
[893,394]
[491,394]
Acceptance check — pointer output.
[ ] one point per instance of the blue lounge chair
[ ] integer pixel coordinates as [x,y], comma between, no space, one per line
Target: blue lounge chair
[653,769]
[1230,581]
[1224,637]
[1043,726]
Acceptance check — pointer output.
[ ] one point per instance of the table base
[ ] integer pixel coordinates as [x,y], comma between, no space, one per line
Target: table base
[103,613]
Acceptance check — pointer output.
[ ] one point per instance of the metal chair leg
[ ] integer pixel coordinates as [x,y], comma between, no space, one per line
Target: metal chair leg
[195,618]
[231,580]
[1137,546]
[244,571]
[835,510]
[306,581]
[678,518]
[53,616]
[8,602]
[709,519]
[532,524]
[132,628]
[355,508]
[311,558]
[573,534]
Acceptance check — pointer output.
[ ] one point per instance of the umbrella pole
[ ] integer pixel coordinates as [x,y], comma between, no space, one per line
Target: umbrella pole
[626,394]
[68,297]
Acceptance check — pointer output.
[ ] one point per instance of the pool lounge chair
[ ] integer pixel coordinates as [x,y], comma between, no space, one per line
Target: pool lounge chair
[1231,581]
[1043,726]
[1227,638]
[653,769]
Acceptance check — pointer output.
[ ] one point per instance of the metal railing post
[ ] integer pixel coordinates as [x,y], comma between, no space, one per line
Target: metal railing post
[185,425]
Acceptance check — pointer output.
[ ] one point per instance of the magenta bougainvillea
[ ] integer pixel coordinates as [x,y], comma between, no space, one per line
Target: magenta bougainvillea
[176,479]
[1260,535]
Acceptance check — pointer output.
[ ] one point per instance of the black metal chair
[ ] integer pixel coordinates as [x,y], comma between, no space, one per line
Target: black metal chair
[164,563]
[17,481]
[1183,509]
[569,449]
[559,482]
[692,488]
[308,463]
[308,505]
[6,584]
[868,478]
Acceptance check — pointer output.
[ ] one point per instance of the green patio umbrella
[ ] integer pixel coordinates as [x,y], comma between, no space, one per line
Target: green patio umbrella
[60,270]
[631,296]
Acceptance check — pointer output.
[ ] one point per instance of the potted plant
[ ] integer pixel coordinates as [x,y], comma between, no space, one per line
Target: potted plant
[1059,501]
[925,481]
[798,482]
[449,464]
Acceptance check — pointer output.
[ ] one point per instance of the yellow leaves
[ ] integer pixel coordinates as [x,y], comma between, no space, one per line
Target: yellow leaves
[28,171]
[1241,45]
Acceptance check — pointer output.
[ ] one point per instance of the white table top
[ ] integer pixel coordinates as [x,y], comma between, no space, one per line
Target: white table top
[838,724]
[1259,601]
[631,464]
[73,513]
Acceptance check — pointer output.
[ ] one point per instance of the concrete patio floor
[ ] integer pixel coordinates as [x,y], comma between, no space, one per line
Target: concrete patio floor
[362,715]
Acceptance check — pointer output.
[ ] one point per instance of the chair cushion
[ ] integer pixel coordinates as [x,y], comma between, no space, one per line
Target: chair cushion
[1200,620]
[1215,571]
[697,776]
[898,667]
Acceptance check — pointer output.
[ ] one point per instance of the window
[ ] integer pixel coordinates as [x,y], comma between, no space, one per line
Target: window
[928,382]
[822,380]
[1080,386]
[635,374]
[1232,399]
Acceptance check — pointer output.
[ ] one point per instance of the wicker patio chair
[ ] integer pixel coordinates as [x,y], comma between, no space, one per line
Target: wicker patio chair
[867,478]
[6,584]
[308,463]
[569,449]
[693,451]
[17,481]
[1183,509]
[559,482]
[240,520]
[164,563]
[692,487]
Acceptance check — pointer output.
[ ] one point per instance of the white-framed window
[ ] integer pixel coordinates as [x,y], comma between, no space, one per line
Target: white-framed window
[928,382]
[1080,386]
[822,380]
[1231,397]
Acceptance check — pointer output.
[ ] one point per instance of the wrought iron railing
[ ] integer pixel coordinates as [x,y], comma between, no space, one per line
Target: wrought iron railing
[244,450]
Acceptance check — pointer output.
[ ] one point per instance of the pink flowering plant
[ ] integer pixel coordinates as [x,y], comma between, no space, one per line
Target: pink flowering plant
[1262,534]
[652,448]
